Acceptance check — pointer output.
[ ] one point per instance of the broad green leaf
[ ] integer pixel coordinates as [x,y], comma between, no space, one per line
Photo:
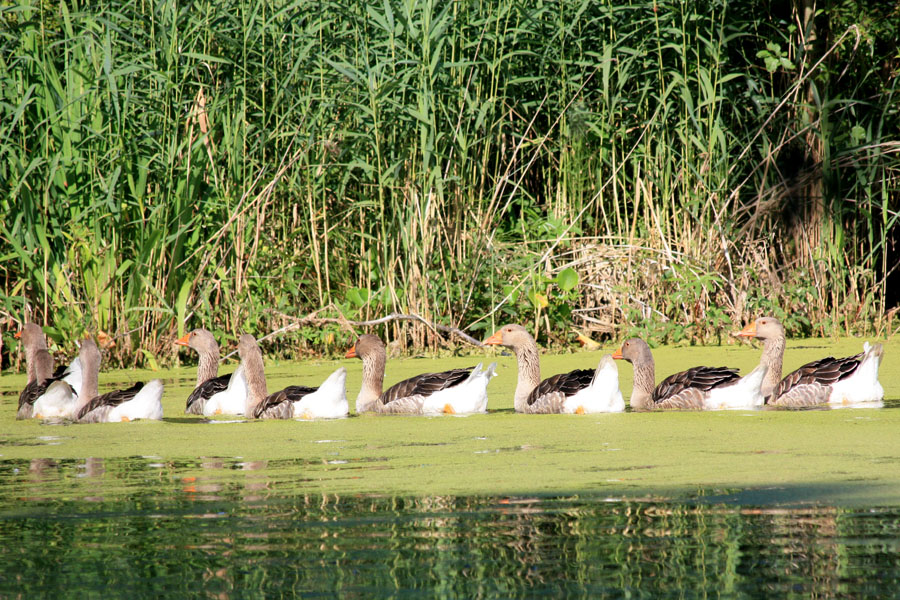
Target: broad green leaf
[567,279]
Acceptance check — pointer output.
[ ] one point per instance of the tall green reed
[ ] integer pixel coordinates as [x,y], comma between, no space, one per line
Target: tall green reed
[175,165]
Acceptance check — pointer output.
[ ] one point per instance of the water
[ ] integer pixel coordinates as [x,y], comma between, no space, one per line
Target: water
[734,504]
[146,527]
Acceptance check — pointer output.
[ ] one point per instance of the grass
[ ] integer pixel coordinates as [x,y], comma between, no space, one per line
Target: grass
[840,456]
[701,163]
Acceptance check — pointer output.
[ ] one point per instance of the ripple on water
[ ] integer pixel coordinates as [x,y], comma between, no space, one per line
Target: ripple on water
[148,526]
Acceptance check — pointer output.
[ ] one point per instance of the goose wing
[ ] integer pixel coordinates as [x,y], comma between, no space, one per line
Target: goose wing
[424,385]
[110,399]
[35,390]
[692,381]
[204,392]
[818,373]
[280,405]
[32,392]
[549,395]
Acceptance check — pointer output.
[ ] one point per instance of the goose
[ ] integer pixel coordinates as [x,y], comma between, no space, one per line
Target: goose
[209,382]
[137,402]
[576,392]
[38,367]
[230,401]
[46,395]
[458,391]
[850,381]
[699,388]
[328,401]
[61,397]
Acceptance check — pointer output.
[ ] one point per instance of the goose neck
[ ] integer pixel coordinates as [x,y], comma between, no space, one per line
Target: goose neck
[31,363]
[43,366]
[255,373]
[90,373]
[529,363]
[773,358]
[373,380]
[644,384]
[208,366]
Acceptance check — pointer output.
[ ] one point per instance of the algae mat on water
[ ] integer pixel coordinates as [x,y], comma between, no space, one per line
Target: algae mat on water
[752,457]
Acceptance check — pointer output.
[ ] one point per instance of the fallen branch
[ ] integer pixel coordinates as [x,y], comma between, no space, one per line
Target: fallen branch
[313,319]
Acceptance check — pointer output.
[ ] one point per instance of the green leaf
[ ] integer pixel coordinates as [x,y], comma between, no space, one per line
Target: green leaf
[567,279]
[181,304]
[512,292]
[151,360]
[358,296]
[537,299]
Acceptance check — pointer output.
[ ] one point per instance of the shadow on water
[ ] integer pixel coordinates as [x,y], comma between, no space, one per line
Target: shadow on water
[188,420]
[146,526]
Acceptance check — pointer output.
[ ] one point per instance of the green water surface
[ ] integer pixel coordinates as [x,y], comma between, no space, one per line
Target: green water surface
[738,504]
[849,456]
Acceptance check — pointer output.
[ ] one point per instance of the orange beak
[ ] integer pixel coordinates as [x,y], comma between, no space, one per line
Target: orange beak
[748,331]
[495,340]
[18,335]
[351,353]
[618,354]
[183,340]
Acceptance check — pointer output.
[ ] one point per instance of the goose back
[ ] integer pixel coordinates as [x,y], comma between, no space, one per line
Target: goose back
[96,409]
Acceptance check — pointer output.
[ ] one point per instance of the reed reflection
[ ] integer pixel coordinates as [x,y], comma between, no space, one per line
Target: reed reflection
[241,527]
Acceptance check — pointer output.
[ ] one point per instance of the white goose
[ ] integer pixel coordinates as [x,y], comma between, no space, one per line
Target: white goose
[230,401]
[576,392]
[836,382]
[328,401]
[137,402]
[458,391]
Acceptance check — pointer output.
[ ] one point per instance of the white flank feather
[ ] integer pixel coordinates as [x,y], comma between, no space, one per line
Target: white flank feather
[469,396]
[327,402]
[146,404]
[603,395]
[745,393]
[232,400]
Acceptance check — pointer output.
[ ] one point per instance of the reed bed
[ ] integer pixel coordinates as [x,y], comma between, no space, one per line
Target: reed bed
[666,168]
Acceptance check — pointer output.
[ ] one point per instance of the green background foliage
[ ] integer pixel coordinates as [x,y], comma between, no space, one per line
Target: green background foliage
[664,168]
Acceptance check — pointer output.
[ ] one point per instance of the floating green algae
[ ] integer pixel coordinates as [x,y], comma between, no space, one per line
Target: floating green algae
[849,456]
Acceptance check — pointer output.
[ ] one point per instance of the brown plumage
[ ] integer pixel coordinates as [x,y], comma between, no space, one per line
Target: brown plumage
[280,405]
[203,392]
[548,396]
[34,390]
[809,385]
[96,410]
[696,378]
[38,366]
[406,397]
[685,390]
[209,382]
[424,384]
[812,384]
